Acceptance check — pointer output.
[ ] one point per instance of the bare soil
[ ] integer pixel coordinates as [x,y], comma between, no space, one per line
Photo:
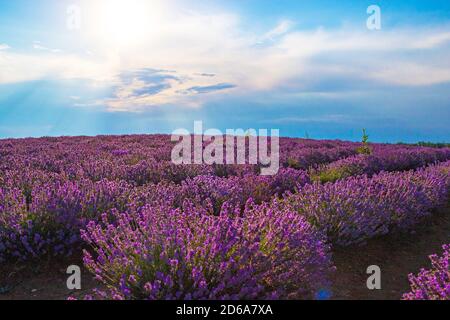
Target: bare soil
[396,255]
[42,281]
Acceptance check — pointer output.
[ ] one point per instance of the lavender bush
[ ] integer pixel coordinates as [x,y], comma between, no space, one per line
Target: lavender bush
[383,159]
[358,208]
[164,253]
[432,284]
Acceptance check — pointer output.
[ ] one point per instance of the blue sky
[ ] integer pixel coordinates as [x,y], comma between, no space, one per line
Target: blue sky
[304,67]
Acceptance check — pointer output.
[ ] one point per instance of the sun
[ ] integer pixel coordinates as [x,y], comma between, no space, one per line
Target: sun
[126,22]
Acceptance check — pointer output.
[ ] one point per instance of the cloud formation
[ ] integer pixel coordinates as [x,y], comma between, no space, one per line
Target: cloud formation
[37,45]
[169,67]
[144,88]
[213,88]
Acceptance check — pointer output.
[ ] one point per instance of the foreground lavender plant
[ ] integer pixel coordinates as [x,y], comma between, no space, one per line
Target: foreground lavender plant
[164,253]
[432,284]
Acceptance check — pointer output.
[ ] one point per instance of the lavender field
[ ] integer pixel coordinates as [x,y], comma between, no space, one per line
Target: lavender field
[145,228]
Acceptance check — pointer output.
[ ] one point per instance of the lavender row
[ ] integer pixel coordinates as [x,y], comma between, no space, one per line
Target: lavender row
[166,253]
[382,159]
[359,208]
[47,219]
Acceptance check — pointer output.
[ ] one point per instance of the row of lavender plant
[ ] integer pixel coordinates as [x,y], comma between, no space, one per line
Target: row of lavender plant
[212,191]
[359,208]
[47,221]
[165,253]
[382,159]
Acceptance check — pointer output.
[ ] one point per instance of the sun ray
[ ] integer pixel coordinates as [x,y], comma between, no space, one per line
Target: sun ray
[125,23]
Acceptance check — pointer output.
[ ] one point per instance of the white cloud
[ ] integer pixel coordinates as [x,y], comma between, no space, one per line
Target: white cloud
[20,67]
[430,41]
[4,46]
[175,89]
[282,28]
[192,43]
[37,45]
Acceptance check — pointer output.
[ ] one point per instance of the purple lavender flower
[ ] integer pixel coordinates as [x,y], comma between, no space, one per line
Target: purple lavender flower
[432,284]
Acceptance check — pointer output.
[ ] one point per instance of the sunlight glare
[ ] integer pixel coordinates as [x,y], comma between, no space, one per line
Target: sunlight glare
[127,22]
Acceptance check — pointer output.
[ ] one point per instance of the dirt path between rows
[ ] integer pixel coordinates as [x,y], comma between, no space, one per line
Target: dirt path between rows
[43,281]
[396,255]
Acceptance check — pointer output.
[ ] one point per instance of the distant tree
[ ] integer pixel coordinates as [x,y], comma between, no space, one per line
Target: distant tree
[365,148]
[365,138]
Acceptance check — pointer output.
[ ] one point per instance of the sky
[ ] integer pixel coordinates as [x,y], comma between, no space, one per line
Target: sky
[308,68]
